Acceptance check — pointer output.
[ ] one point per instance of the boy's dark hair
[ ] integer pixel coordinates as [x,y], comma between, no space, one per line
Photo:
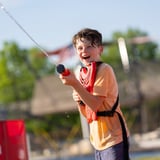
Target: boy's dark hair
[91,35]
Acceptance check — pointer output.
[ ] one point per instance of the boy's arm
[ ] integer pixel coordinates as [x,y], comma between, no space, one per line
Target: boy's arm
[90,100]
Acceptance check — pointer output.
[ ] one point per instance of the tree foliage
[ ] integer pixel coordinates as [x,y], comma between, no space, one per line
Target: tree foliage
[145,51]
[19,68]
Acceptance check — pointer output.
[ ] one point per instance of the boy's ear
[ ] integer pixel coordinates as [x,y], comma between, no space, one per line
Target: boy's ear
[101,49]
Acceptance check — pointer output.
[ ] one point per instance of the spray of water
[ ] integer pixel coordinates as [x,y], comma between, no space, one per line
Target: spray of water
[20,26]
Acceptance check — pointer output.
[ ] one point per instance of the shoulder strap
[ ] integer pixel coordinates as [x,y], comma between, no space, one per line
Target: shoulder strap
[124,132]
[111,112]
[125,138]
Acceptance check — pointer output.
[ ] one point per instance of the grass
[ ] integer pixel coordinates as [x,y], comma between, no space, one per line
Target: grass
[148,158]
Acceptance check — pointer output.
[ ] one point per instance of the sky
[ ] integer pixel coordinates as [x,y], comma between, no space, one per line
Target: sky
[52,23]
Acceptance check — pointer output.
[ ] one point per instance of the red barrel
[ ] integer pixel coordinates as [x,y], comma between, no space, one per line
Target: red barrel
[13,145]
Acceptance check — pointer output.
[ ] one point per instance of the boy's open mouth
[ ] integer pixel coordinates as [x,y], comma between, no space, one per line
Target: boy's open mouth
[86,57]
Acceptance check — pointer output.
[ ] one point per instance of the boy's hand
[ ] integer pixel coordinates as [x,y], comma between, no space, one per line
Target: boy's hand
[75,96]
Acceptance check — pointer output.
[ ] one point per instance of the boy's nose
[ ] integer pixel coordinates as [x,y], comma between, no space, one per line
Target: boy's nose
[84,49]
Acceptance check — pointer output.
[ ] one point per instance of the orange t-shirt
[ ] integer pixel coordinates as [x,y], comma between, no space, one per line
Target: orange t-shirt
[106,131]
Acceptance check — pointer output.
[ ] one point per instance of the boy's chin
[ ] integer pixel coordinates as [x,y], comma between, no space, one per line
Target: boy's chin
[87,62]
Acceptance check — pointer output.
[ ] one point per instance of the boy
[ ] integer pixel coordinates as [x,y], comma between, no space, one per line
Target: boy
[96,94]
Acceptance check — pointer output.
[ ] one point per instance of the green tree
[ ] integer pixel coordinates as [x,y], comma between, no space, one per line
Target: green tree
[145,51]
[19,68]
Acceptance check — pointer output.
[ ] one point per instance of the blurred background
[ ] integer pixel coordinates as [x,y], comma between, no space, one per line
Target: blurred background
[31,90]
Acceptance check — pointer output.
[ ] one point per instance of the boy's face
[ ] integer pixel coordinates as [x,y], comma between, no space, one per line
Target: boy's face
[88,53]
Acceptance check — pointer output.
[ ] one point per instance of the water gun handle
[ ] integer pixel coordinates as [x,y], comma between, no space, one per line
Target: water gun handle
[62,70]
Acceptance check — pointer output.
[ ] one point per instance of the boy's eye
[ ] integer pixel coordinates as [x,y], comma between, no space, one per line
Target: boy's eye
[79,48]
[89,47]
